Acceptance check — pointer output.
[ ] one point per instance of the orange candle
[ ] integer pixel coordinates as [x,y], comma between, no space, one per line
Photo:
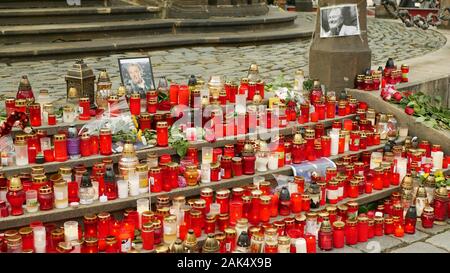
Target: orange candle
[314,117]
[399,231]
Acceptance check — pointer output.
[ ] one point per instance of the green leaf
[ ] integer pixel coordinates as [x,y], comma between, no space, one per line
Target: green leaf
[420,119]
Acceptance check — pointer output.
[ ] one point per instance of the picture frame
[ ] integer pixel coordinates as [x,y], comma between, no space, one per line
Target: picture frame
[136,74]
[339,21]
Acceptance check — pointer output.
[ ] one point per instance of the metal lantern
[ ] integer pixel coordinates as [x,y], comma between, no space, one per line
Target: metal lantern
[82,78]
[103,92]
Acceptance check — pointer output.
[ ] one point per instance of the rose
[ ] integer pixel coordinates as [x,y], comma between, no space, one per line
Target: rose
[409,110]
[398,96]
[386,95]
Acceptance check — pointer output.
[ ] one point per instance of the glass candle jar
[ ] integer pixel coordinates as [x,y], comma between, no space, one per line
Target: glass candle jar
[354,140]
[222,198]
[298,151]
[45,198]
[170,229]
[35,114]
[237,166]
[135,104]
[325,236]
[264,214]
[226,167]
[331,108]
[378,225]
[254,214]
[223,222]
[61,194]
[21,150]
[363,229]
[440,204]
[155,176]
[207,195]
[191,175]
[148,236]
[427,217]
[32,201]
[304,109]
[157,229]
[248,163]
[84,108]
[351,232]
[105,141]
[27,237]
[338,234]
[90,223]
[162,134]
[388,226]
[262,159]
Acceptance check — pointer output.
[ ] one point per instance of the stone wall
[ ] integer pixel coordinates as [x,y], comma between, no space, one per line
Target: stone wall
[201,9]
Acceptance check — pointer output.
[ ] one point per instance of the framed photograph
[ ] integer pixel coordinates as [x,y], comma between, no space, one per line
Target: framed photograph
[137,74]
[339,21]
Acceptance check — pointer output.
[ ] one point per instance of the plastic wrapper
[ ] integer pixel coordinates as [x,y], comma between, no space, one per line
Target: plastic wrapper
[118,118]
[318,166]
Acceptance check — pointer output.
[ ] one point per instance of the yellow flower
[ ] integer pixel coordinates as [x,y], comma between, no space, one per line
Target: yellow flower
[134,121]
[139,135]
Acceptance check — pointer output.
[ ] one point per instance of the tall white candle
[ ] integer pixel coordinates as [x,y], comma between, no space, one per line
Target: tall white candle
[40,240]
[206,173]
[300,245]
[273,161]
[437,157]
[401,167]
[70,231]
[347,143]
[122,188]
[133,184]
[95,186]
[142,204]
[334,135]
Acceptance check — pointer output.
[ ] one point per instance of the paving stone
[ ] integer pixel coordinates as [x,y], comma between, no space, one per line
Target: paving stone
[345,249]
[441,240]
[434,230]
[386,39]
[410,238]
[379,244]
[419,247]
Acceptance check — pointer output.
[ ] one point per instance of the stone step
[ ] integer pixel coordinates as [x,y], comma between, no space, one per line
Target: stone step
[74,15]
[47,33]
[26,4]
[147,42]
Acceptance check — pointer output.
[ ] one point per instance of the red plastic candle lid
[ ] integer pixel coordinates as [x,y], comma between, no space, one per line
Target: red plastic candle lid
[165,158]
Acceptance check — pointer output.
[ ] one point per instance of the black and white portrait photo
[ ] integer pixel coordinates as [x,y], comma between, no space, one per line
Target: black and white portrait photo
[339,21]
[137,74]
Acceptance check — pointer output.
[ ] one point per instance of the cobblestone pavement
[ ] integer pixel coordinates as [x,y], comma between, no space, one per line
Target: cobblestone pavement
[387,39]
[434,240]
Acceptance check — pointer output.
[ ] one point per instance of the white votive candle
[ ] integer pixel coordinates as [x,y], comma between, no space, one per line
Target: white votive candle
[300,245]
[40,240]
[133,184]
[438,158]
[70,231]
[122,188]
[273,161]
